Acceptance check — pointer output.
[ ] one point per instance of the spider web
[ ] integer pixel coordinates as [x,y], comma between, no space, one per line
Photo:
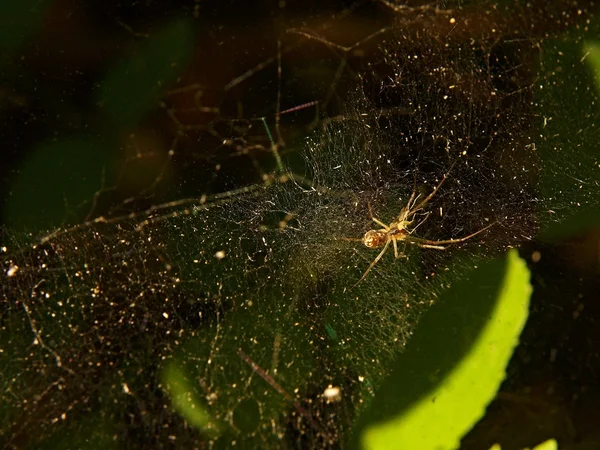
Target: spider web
[219,283]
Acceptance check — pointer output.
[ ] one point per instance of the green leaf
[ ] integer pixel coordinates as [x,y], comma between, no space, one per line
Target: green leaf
[548,445]
[186,401]
[591,54]
[133,87]
[570,112]
[57,179]
[439,388]
[18,21]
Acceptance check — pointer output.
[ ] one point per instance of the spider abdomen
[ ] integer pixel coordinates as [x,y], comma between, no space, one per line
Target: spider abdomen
[375,238]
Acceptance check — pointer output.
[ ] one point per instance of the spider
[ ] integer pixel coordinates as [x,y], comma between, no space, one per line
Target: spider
[398,231]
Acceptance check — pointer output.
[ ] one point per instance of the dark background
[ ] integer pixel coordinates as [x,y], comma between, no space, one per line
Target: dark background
[99,120]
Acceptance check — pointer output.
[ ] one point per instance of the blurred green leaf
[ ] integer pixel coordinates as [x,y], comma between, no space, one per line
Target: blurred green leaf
[591,53]
[18,20]
[584,215]
[569,110]
[133,87]
[57,181]
[439,388]
[94,430]
[583,219]
[186,402]
[548,445]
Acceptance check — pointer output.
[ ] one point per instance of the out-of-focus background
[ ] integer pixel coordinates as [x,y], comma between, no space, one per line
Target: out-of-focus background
[116,111]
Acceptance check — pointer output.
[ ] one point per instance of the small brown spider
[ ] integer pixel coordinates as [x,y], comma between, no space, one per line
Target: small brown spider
[398,231]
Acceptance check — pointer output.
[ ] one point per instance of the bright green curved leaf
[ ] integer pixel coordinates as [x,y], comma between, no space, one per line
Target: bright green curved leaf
[453,367]
[548,445]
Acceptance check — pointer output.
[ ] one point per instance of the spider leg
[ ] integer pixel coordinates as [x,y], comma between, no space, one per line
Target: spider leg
[413,197]
[430,196]
[377,221]
[402,253]
[420,223]
[395,248]
[435,247]
[408,208]
[375,261]
[433,244]
[408,211]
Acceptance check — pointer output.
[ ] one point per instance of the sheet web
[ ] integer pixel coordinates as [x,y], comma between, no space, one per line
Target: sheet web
[236,317]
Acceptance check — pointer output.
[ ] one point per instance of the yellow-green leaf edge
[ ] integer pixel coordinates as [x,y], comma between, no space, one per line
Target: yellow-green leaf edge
[547,445]
[442,417]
